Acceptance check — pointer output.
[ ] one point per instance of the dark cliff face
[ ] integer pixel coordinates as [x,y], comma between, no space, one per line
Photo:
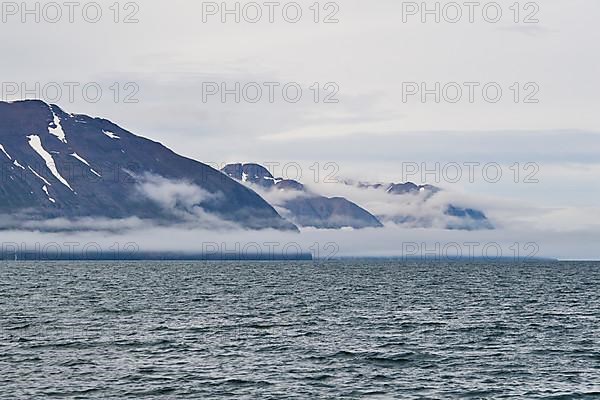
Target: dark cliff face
[306,209]
[60,165]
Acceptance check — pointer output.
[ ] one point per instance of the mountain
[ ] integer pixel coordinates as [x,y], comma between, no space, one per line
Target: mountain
[57,165]
[60,168]
[408,204]
[396,188]
[301,206]
[467,219]
[421,196]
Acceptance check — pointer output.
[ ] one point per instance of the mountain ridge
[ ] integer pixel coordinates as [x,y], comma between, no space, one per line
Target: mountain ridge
[301,211]
[61,165]
[306,209]
[58,165]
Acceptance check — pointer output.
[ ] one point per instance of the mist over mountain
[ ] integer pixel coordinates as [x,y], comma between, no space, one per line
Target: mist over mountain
[410,205]
[58,166]
[68,166]
[422,206]
[303,207]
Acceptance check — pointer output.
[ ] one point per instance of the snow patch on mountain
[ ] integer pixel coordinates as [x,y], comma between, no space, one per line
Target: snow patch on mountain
[57,129]
[274,180]
[39,176]
[45,189]
[78,157]
[111,135]
[4,151]
[36,144]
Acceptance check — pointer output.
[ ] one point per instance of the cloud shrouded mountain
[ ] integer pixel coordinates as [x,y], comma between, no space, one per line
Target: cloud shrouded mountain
[61,165]
[406,204]
[301,206]
[419,206]
[87,173]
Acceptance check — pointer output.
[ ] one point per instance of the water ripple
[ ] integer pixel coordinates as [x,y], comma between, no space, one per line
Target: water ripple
[339,330]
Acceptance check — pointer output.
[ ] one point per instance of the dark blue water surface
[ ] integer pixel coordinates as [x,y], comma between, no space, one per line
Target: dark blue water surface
[357,329]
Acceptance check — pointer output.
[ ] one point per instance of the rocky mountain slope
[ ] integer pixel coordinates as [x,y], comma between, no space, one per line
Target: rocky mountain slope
[309,209]
[57,165]
[303,207]
[63,167]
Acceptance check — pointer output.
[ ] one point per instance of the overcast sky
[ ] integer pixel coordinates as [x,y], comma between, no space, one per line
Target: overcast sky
[373,59]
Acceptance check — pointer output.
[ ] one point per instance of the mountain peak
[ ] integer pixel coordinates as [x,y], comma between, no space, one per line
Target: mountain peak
[252,173]
[25,101]
[60,165]
[303,207]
